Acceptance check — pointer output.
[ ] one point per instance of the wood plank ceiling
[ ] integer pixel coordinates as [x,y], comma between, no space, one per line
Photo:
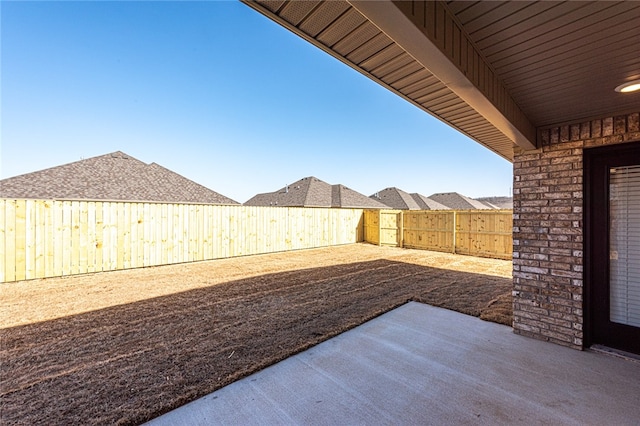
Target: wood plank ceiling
[560,61]
[540,63]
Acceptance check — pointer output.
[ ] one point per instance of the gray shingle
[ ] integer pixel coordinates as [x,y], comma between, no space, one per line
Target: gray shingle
[498,202]
[313,192]
[294,195]
[456,201]
[115,176]
[396,198]
[354,199]
[427,203]
[319,193]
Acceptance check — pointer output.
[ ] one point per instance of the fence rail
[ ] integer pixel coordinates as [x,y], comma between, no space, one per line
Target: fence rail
[485,233]
[49,238]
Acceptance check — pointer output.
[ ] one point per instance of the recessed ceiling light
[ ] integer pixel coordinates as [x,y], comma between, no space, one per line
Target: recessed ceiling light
[629,86]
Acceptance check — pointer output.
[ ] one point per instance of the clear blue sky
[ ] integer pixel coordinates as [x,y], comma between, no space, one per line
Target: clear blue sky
[220,94]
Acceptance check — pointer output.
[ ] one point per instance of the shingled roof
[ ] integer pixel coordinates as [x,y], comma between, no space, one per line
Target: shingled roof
[497,202]
[398,199]
[426,203]
[116,177]
[456,201]
[313,192]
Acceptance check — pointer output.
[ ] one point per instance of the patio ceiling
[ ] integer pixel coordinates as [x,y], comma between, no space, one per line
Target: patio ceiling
[496,71]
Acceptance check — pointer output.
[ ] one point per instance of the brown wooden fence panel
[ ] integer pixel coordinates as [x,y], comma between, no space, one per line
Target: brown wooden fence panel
[383,227]
[485,233]
[49,238]
[372,226]
[429,230]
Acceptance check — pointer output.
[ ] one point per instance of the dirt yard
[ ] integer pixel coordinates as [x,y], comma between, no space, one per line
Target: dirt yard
[123,347]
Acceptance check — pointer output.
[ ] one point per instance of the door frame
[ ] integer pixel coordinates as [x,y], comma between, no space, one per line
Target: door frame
[596,163]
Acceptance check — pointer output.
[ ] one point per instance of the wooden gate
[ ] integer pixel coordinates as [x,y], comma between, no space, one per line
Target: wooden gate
[383,227]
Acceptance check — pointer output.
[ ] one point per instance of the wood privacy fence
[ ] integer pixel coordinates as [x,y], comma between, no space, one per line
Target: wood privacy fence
[485,233]
[45,238]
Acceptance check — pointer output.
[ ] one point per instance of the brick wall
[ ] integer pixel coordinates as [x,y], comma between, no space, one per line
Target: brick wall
[548,227]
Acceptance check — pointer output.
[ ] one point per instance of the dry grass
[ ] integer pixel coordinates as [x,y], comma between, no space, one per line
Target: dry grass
[124,347]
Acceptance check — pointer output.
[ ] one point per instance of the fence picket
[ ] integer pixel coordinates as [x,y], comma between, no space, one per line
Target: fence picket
[3,239]
[45,238]
[484,233]
[48,238]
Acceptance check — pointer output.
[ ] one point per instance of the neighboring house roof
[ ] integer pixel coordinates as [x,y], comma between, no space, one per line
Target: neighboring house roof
[349,198]
[396,198]
[427,203]
[115,176]
[456,201]
[305,192]
[313,192]
[498,202]
[488,204]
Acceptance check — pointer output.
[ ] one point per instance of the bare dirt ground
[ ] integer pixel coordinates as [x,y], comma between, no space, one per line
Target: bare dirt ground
[124,347]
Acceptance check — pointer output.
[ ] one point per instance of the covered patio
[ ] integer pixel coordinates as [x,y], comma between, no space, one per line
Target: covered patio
[548,86]
[553,87]
[420,364]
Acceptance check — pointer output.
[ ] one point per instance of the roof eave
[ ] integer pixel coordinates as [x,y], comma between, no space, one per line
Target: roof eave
[423,47]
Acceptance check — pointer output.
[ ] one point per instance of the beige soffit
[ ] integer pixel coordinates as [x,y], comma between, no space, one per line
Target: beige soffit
[393,53]
[430,34]
[560,61]
[520,64]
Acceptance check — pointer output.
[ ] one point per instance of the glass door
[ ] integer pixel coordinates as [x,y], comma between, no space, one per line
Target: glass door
[612,246]
[624,245]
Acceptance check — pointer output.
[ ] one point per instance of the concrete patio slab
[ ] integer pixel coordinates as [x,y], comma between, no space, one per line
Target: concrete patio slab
[424,365]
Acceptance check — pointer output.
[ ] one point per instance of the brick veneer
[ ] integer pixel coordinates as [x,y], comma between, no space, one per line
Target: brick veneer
[548,227]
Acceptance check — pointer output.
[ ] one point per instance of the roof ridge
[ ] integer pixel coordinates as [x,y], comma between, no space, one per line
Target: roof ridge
[313,181]
[407,198]
[308,190]
[337,188]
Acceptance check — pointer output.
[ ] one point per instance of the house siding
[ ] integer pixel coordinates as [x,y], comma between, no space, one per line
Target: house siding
[548,227]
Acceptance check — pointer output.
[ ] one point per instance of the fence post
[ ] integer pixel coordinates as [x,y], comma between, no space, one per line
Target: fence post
[401,229]
[454,232]
[379,228]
